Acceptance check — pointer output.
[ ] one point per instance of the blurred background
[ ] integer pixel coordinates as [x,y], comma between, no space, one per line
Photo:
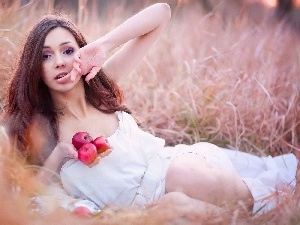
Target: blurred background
[230,8]
[224,71]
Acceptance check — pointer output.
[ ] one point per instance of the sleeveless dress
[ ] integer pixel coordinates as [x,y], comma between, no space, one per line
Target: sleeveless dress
[134,173]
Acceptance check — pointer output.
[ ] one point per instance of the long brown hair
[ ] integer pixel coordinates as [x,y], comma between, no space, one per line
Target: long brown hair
[28,96]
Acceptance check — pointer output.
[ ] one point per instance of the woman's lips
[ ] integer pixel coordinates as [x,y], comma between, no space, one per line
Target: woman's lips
[60,75]
[62,78]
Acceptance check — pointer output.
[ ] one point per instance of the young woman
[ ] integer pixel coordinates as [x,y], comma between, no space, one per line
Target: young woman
[63,85]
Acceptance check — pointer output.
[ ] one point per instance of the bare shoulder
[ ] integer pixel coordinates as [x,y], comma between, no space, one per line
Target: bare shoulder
[40,126]
[40,139]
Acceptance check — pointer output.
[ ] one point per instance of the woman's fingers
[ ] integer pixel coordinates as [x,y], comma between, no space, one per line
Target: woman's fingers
[88,60]
[92,73]
[76,66]
[106,153]
[95,162]
[74,155]
[73,74]
[77,61]
[99,158]
[77,56]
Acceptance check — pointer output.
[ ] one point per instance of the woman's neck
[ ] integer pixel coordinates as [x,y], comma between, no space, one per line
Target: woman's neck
[72,103]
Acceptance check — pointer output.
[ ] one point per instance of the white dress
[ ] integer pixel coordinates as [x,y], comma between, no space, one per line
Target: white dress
[134,173]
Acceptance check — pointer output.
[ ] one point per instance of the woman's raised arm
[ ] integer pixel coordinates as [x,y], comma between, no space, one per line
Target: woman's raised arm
[138,33]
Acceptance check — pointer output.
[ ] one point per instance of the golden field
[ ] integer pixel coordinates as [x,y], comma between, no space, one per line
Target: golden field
[230,76]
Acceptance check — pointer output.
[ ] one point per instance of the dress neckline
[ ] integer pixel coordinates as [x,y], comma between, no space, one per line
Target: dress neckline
[119,115]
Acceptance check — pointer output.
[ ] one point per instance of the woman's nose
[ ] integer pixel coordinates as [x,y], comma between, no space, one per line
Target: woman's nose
[59,62]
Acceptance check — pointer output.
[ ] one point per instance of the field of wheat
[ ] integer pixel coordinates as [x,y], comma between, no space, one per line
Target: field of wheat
[230,76]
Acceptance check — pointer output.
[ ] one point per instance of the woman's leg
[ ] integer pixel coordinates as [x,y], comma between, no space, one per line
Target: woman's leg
[189,205]
[178,208]
[195,177]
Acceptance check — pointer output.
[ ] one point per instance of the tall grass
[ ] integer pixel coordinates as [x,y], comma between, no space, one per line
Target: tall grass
[234,84]
[230,80]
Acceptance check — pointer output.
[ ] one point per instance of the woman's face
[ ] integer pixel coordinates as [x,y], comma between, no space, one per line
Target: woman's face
[58,52]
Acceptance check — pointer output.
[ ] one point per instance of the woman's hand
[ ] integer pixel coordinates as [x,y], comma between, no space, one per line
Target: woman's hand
[62,151]
[65,150]
[100,156]
[134,37]
[88,60]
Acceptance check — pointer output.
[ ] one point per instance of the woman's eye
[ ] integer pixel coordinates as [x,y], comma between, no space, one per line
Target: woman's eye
[46,56]
[69,51]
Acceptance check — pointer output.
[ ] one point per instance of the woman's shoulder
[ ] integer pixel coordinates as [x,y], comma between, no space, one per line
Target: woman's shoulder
[40,138]
[39,123]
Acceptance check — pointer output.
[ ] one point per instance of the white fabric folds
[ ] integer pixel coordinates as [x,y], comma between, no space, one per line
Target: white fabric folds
[134,173]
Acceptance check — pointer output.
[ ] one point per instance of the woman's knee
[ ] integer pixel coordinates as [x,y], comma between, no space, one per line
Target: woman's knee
[177,176]
[177,198]
[188,174]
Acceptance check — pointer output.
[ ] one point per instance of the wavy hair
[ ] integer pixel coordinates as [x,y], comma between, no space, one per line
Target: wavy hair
[28,96]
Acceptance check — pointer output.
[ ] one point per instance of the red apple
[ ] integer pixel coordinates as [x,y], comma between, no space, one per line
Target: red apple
[87,153]
[101,144]
[82,211]
[81,138]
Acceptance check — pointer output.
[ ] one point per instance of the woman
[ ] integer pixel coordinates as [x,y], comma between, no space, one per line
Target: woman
[63,85]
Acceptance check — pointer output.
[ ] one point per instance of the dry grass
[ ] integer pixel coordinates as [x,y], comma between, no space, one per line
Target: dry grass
[233,82]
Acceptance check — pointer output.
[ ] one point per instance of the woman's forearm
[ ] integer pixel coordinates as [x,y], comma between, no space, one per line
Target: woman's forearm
[50,166]
[144,22]
[136,35]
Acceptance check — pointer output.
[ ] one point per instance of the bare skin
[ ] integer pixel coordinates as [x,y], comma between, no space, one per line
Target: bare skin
[136,36]
[68,93]
[178,208]
[194,176]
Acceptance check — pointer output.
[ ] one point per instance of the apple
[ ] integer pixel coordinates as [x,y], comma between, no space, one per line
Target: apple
[82,211]
[87,153]
[101,144]
[81,138]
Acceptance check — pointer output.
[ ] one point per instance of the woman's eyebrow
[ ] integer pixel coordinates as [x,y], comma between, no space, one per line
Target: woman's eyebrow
[63,43]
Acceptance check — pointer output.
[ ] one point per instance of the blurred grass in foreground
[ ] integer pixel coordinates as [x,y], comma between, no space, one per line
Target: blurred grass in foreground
[230,79]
